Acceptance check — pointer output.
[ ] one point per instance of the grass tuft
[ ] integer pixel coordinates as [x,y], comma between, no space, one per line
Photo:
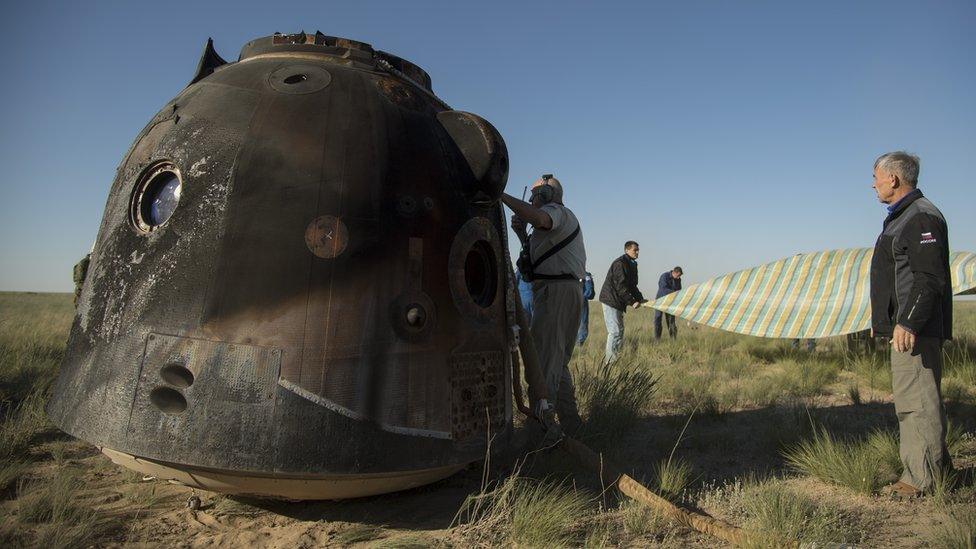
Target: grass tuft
[10,473]
[958,531]
[776,515]
[863,466]
[522,512]
[672,477]
[21,425]
[612,397]
[53,507]
[358,533]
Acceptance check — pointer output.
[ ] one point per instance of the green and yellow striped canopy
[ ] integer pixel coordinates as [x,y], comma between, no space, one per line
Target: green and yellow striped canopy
[811,295]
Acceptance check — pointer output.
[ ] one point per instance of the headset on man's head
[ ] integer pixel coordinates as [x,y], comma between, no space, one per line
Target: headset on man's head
[545,191]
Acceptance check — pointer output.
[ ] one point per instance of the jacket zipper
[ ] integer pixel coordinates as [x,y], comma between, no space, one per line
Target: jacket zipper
[894,276]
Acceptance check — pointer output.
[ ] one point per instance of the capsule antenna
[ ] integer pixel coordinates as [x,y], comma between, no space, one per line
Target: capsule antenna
[209,61]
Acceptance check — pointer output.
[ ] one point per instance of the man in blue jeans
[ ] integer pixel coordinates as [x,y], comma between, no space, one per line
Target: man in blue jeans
[525,294]
[620,291]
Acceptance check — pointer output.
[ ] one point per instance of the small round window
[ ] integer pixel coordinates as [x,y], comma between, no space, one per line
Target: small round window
[480,274]
[156,196]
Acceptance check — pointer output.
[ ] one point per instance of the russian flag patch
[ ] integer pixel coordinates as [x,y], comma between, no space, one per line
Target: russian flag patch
[927,238]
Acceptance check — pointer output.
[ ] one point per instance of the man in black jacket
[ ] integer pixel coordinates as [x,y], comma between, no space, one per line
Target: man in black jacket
[911,302]
[620,291]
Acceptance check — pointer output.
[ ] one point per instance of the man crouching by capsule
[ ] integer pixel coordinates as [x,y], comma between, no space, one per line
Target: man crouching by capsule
[553,259]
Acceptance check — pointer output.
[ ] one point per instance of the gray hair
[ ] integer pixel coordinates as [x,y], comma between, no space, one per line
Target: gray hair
[903,164]
[557,190]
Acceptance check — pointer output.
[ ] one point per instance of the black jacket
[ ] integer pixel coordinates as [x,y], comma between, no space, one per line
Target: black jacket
[910,280]
[620,287]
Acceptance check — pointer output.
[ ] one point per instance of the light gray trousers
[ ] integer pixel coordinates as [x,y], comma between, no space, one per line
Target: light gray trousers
[557,306]
[916,379]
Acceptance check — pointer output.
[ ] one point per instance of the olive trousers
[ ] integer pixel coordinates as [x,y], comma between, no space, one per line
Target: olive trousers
[557,306]
[916,379]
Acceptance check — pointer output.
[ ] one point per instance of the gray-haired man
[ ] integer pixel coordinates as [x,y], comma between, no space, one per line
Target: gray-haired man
[558,260]
[911,302]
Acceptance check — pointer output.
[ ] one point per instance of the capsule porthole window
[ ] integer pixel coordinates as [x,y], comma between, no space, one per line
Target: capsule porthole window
[156,196]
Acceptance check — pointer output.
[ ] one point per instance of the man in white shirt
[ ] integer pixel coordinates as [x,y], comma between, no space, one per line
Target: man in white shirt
[558,260]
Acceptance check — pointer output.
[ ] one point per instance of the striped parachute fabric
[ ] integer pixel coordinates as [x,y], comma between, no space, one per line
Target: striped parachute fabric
[963,267]
[812,295]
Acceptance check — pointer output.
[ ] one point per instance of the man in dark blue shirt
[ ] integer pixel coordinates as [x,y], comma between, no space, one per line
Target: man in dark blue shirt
[911,303]
[668,283]
[588,293]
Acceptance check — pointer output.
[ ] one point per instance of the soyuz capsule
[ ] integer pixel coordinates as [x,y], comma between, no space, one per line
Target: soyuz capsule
[298,288]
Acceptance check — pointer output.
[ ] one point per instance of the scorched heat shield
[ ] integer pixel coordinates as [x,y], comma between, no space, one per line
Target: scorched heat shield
[298,287]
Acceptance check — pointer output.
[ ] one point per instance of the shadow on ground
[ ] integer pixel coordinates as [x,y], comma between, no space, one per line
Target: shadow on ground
[720,448]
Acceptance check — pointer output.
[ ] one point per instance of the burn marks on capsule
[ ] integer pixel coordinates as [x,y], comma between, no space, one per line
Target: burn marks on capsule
[403,95]
[200,390]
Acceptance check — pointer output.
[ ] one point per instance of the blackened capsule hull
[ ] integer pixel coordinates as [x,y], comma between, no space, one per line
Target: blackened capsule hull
[299,276]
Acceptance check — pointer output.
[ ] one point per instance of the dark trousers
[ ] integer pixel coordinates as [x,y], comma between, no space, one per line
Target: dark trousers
[672,325]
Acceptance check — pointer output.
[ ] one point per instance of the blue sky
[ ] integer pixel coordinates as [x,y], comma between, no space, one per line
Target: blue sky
[720,135]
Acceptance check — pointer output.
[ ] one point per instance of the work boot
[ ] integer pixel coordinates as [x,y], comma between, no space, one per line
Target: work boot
[902,491]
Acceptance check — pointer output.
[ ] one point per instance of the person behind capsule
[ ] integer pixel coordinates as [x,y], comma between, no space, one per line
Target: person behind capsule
[589,292]
[557,262]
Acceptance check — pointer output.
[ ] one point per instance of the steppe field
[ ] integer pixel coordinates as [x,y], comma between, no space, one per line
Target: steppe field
[789,444]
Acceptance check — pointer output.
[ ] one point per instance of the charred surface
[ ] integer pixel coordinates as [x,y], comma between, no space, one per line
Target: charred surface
[327,295]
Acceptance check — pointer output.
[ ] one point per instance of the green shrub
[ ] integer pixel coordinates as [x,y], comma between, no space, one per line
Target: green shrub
[612,397]
[672,477]
[863,466]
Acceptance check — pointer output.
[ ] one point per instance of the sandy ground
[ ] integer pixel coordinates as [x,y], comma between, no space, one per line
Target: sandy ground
[147,512]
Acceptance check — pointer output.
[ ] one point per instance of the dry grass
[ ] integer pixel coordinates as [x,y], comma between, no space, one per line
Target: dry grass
[863,466]
[54,510]
[773,514]
[523,512]
[21,425]
[612,397]
[958,530]
[358,533]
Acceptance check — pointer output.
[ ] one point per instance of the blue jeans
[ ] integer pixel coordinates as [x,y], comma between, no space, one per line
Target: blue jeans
[614,320]
[525,294]
[584,328]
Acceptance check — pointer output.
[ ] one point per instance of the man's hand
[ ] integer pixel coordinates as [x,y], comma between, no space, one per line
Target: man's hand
[546,414]
[540,408]
[636,305]
[902,340]
[519,226]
